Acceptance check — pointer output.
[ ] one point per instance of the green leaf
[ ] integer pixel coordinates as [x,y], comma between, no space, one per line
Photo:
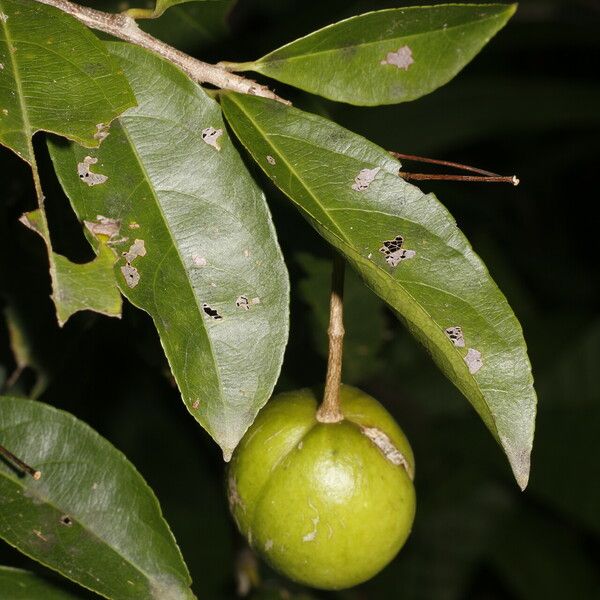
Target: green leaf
[198,249]
[55,76]
[88,286]
[386,56]
[409,251]
[17,584]
[90,516]
[363,315]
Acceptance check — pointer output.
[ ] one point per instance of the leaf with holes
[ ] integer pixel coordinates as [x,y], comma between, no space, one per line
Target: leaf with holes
[386,56]
[198,249]
[56,76]
[408,249]
[88,286]
[106,532]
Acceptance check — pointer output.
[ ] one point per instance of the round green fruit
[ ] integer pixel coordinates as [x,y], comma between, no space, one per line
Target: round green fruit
[326,504]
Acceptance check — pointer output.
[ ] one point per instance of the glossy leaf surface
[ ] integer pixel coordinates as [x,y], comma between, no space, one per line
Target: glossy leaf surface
[55,76]
[198,249]
[87,286]
[386,56]
[408,249]
[90,516]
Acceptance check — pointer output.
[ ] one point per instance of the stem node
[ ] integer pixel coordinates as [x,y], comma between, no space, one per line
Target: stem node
[124,27]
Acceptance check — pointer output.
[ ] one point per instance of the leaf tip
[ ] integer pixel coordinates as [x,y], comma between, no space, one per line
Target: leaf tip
[520,462]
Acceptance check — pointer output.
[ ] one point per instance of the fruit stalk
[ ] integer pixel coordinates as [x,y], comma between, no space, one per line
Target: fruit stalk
[329,411]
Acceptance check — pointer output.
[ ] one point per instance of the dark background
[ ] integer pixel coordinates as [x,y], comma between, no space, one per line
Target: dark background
[529,104]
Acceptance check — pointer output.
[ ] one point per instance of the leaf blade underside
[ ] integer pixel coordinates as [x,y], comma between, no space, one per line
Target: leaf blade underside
[211,273]
[106,532]
[387,56]
[350,191]
[56,76]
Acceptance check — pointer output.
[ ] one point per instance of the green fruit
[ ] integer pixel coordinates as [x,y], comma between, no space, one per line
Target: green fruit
[326,504]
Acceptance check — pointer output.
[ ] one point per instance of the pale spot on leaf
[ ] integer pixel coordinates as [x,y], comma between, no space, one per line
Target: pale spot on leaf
[455,334]
[211,136]
[394,253]
[138,248]
[244,303]
[85,173]
[101,131]
[473,360]
[402,58]
[363,180]
[103,226]
[131,274]
[199,261]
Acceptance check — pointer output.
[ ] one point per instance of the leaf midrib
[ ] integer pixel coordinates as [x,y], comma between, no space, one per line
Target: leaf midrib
[452,349]
[94,80]
[328,210]
[17,76]
[291,168]
[90,531]
[173,245]
[344,241]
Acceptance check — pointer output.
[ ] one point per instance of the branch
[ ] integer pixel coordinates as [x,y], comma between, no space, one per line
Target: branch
[472,178]
[329,411]
[482,177]
[125,28]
